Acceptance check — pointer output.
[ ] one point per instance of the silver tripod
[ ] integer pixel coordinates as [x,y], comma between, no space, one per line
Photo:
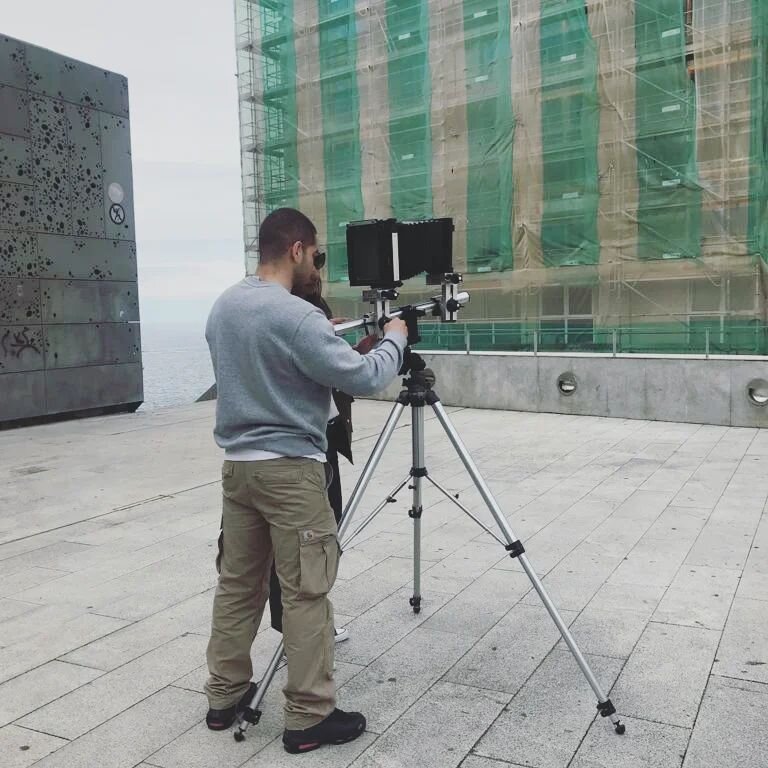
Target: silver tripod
[417,394]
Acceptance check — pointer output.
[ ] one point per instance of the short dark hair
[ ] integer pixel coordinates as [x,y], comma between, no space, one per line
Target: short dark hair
[280,230]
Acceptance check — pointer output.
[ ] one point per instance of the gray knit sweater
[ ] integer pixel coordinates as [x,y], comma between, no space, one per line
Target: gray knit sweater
[275,358]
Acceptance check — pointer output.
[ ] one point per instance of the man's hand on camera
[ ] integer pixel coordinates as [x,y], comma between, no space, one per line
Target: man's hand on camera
[339,320]
[366,344]
[397,325]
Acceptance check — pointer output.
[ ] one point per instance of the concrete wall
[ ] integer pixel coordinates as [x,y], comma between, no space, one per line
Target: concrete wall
[699,391]
[69,311]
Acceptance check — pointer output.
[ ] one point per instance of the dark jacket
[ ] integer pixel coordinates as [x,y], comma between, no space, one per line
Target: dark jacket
[340,429]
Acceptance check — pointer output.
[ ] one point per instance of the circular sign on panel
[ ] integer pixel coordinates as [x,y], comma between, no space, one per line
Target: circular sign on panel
[117,213]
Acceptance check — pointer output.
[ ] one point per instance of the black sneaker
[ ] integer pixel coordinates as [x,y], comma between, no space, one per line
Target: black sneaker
[221,719]
[338,728]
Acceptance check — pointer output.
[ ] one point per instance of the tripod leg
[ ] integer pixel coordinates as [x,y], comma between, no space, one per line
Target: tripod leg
[418,471]
[252,713]
[516,549]
[369,469]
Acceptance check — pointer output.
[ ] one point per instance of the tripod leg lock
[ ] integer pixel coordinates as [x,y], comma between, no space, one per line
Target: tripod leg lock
[251,716]
[515,549]
[415,514]
[606,708]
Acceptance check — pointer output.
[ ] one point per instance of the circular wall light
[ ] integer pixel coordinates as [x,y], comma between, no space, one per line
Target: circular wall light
[757,392]
[566,383]
[115,193]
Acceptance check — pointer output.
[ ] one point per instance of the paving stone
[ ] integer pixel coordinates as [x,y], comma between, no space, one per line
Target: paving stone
[438,731]
[200,747]
[653,562]
[607,632]
[41,620]
[567,591]
[698,597]
[60,556]
[753,585]
[134,735]
[341,756]
[21,748]
[388,686]
[638,598]
[545,722]
[732,726]
[370,587]
[38,687]
[722,545]
[91,705]
[136,639]
[478,607]
[644,745]
[666,675]
[9,609]
[743,652]
[59,640]
[505,657]
[384,625]
[569,487]
[16,583]
[475,761]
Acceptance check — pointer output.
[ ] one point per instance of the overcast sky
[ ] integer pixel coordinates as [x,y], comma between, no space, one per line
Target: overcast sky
[179,58]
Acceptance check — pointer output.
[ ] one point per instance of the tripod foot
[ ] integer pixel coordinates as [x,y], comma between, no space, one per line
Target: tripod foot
[247,717]
[606,709]
[415,604]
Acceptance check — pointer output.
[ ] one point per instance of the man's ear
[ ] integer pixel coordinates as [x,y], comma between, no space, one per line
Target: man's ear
[297,252]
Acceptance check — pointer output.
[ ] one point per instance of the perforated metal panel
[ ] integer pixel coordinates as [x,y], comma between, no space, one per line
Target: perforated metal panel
[69,311]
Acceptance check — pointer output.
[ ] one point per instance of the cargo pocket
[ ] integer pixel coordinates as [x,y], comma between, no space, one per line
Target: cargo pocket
[318,562]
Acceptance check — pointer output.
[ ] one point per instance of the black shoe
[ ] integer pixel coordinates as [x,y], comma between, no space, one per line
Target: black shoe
[338,728]
[221,719]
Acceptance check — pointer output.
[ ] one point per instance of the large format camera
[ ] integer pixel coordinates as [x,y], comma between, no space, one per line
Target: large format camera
[382,253]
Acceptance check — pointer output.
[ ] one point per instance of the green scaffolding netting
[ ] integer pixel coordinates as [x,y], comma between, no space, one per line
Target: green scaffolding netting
[605,161]
[410,103]
[758,208]
[570,120]
[281,164]
[490,135]
[341,136]
[669,210]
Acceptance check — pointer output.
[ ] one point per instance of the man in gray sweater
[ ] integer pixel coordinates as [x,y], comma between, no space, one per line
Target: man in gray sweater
[276,358]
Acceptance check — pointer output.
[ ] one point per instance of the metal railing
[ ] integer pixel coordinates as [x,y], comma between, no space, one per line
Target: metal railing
[501,336]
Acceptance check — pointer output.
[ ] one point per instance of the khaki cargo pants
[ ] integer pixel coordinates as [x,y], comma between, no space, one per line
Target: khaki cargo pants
[278,506]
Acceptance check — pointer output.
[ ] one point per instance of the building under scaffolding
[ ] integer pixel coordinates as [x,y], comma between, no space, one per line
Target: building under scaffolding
[605,161]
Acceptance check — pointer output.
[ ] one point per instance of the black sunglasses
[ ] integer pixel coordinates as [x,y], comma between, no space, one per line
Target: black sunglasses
[319,259]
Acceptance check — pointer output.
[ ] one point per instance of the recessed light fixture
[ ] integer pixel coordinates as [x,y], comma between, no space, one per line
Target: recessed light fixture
[757,392]
[567,385]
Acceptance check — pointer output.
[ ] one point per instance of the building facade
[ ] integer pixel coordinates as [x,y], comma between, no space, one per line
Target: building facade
[605,161]
[69,311]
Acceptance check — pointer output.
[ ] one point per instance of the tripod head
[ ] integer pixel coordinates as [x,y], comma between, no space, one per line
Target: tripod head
[418,379]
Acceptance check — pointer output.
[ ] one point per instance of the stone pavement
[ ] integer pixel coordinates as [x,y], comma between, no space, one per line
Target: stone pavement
[651,536]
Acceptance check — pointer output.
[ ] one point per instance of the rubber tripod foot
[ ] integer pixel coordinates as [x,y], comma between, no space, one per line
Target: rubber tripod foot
[620,728]
[415,604]
[239,736]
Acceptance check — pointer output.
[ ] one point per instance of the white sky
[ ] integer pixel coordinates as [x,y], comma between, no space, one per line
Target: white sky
[179,58]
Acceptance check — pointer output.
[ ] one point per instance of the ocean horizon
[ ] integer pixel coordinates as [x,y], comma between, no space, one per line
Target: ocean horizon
[177,365]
